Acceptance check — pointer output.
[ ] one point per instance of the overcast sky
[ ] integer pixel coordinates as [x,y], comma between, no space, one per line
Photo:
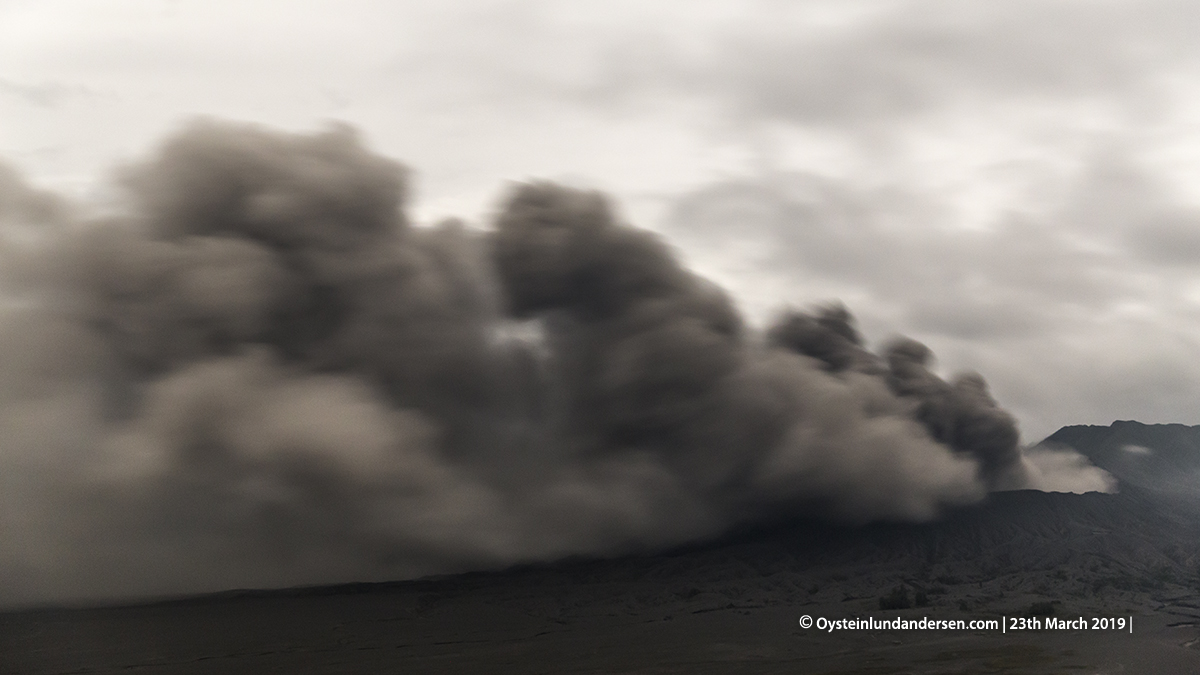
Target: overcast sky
[1015,183]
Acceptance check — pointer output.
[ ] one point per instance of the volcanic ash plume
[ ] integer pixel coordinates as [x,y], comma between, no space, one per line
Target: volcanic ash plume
[961,415]
[261,374]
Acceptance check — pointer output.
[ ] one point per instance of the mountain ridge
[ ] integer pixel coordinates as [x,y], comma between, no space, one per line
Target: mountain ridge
[1160,458]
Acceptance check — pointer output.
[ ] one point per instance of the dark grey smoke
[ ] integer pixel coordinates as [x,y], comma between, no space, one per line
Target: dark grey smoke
[961,415]
[828,335]
[262,374]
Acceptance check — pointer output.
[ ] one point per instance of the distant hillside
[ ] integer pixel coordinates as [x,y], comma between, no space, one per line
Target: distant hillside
[1162,458]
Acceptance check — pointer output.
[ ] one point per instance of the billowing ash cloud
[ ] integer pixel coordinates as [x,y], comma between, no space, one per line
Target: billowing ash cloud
[960,414]
[261,374]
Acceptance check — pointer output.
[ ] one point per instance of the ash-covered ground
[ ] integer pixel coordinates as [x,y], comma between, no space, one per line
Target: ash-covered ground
[730,606]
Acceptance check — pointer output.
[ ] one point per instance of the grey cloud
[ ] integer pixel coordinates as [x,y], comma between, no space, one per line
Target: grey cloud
[1105,277]
[962,316]
[883,63]
[918,56]
[814,228]
[1093,372]
[51,94]
[42,95]
[1169,238]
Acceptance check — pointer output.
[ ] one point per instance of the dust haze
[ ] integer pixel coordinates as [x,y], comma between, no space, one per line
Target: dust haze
[254,370]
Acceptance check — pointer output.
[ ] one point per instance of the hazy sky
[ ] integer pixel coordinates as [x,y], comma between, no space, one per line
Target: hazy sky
[1015,183]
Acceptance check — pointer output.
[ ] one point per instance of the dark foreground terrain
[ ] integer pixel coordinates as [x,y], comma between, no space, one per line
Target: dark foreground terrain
[601,628]
[728,607]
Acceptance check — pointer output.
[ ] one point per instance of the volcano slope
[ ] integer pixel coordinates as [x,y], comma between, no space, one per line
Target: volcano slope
[1159,458]
[732,605]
